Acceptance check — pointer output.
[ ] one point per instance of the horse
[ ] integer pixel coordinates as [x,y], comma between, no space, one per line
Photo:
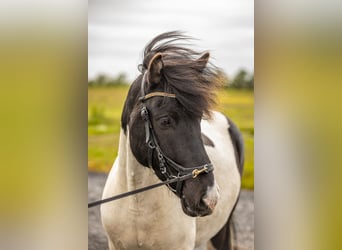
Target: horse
[169,131]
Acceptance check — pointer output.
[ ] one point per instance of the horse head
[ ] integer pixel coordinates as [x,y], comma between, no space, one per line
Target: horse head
[164,111]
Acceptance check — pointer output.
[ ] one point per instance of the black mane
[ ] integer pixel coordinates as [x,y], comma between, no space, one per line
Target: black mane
[183,71]
[192,79]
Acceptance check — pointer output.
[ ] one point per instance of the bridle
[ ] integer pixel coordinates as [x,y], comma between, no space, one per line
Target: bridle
[165,163]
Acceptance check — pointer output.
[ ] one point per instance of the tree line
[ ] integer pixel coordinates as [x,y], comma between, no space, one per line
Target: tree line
[103,80]
[241,80]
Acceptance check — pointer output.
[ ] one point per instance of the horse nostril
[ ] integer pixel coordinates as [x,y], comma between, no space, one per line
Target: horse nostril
[211,197]
[211,203]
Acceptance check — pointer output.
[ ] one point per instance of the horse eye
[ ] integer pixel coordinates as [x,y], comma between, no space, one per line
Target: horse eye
[165,122]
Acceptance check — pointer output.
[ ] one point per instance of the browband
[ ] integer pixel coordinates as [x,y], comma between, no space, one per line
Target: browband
[153,94]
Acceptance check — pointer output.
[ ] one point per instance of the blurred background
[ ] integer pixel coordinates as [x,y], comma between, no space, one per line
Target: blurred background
[117,34]
[44,113]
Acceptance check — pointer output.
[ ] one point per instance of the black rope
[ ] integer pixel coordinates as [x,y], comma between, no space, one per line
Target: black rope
[123,195]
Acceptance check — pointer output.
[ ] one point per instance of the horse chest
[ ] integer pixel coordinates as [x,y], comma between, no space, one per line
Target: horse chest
[144,222]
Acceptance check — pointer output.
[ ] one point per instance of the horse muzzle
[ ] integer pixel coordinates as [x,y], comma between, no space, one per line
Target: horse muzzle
[205,206]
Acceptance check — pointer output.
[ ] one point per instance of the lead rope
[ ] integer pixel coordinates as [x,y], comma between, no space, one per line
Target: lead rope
[194,174]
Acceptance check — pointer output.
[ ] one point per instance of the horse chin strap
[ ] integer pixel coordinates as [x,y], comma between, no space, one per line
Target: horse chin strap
[165,163]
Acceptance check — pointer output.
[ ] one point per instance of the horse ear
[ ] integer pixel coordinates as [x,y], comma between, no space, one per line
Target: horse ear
[203,61]
[154,68]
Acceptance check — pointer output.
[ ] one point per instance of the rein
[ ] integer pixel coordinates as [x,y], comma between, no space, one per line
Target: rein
[183,173]
[194,174]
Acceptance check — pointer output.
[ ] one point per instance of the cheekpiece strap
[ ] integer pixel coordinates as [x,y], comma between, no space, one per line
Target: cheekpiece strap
[165,163]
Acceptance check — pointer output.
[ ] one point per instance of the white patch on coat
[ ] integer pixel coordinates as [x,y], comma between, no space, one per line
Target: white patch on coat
[226,176]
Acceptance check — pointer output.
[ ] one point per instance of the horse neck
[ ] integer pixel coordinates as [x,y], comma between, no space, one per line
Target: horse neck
[134,174]
[128,174]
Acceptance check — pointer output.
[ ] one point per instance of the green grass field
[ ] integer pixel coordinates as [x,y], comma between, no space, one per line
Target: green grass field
[104,111]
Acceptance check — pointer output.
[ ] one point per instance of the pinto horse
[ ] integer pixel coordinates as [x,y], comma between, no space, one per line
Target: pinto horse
[169,131]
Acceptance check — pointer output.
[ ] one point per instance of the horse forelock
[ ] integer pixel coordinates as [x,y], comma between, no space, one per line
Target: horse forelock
[191,78]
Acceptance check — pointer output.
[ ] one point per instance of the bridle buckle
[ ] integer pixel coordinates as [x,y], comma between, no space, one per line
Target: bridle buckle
[197,172]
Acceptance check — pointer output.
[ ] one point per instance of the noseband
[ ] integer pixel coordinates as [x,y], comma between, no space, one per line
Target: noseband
[165,163]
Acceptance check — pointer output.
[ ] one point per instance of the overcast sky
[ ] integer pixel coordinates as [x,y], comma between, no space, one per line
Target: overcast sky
[118,31]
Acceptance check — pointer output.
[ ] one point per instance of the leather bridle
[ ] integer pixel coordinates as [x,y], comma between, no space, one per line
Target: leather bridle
[165,164]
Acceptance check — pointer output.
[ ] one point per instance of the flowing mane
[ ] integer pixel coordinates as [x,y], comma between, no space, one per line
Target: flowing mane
[185,73]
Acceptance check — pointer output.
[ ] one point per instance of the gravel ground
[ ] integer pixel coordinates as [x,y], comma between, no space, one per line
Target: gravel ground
[243,216]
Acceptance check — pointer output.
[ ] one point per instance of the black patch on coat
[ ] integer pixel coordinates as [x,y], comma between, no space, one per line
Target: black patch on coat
[207,141]
[238,144]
